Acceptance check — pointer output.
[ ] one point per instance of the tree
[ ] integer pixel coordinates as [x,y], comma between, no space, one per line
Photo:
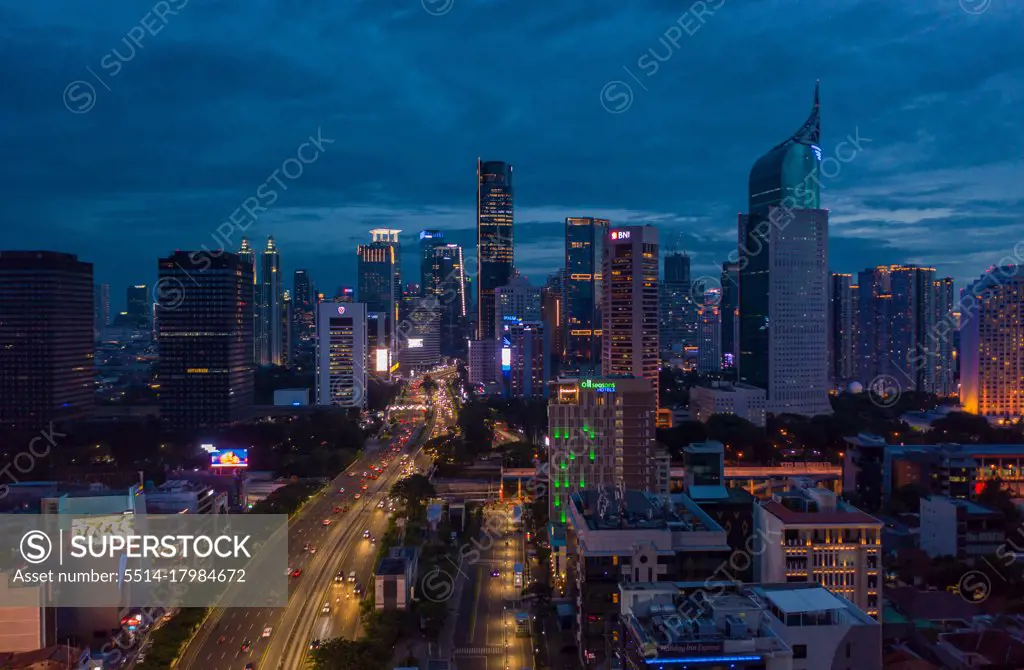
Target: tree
[520,454]
[342,654]
[413,491]
[429,385]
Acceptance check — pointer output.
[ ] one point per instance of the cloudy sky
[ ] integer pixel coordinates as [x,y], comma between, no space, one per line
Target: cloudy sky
[130,129]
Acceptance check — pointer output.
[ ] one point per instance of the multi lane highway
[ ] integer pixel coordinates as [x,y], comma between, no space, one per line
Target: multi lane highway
[486,637]
[340,546]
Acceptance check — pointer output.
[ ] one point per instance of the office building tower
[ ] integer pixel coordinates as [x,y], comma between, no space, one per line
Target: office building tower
[841,351]
[901,310]
[601,434]
[101,305]
[709,342]
[380,277]
[809,535]
[526,367]
[269,337]
[516,302]
[446,283]
[419,330]
[494,244]
[678,305]
[941,339]
[715,397]
[630,304]
[248,257]
[484,361]
[783,256]
[552,313]
[345,294]
[303,321]
[429,239]
[139,305]
[46,339]
[205,370]
[286,329]
[584,253]
[378,345]
[730,307]
[992,344]
[341,354]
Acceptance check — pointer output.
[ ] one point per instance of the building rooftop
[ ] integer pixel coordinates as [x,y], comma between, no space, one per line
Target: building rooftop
[815,507]
[640,510]
[968,506]
[995,647]
[391,566]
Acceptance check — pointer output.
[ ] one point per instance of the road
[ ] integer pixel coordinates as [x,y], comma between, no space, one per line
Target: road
[340,547]
[485,637]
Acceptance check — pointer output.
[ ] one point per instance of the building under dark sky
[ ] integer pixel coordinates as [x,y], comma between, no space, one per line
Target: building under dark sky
[47,370]
[494,217]
[205,338]
[584,245]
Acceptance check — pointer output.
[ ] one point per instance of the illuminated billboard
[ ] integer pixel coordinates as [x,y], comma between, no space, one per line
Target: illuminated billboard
[620,234]
[416,343]
[229,458]
[601,387]
[382,359]
[506,359]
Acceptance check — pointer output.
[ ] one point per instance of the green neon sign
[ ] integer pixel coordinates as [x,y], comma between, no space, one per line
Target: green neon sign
[602,387]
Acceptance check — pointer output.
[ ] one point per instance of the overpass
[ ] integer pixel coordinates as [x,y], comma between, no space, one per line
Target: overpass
[762,480]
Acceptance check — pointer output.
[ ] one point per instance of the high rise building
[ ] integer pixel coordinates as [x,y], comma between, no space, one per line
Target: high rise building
[552,312]
[345,294]
[429,239]
[205,370]
[678,308]
[841,349]
[528,368]
[730,313]
[602,433]
[303,322]
[900,308]
[248,257]
[101,304]
[269,335]
[419,330]
[783,257]
[446,282]
[581,301]
[341,354]
[380,277]
[139,305]
[629,332]
[286,329]
[494,243]
[515,302]
[709,342]
[46,339]
[992,344]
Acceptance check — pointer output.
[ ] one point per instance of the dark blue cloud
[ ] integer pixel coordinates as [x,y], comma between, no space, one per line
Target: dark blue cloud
[199,114]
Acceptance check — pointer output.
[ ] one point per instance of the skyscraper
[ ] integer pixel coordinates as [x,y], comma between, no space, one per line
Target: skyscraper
[992,344]
[783,257]
[205,369]
[341,354]
[46,339]
[494,243]
[552,312]
[709,341]
[380,277]
[101,303]
[730,313]
[139,305]
[270,337]
[678,308]
[248,257]
[584,249]
[841,351]
[429,239]
[941,339]
[303,324]
[629,306]
[446,282]
[516,302]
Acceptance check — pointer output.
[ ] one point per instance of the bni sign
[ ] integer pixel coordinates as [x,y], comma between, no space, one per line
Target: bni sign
[620,235]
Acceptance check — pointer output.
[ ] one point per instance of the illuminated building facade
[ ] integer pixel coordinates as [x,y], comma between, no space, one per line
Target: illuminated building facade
[303,321]
[429,240]
[629,334]
[730,306]
[584,253]
[205,370]
[341,354]
[101,306]
[47,371]
[709,343]
[248,256]
[380,276]
[446,282]
[810,535]
[601,433]
[679,319]
[552,312]
[138,304]
[529,361]
[516,302]
[270,336]
[494,243]
[841,340]
[783,257]
[992,345]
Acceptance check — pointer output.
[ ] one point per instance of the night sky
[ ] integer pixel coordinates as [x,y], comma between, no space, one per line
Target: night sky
[202,113]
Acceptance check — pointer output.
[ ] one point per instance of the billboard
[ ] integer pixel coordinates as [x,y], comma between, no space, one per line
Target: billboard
[229,458]
[416,343]
[620,234]
[506,359]
[382,359]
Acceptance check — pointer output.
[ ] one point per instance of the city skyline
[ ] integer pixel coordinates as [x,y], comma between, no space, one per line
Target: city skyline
[906,198]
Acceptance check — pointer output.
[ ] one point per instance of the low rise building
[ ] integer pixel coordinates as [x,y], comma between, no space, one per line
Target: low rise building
[394,579]
[962,529]
[742,400]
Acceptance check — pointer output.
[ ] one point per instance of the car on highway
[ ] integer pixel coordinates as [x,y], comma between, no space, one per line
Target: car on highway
[250,666]
[358,496]
[267,631]
[365,473]
[366,534]
[314,645]
[327,522]
[246,646]
[340,577]
[364,487]
[352,474]
[296,573]
[352,577]
[373,540]
[380,505]
[326,609]
[358,590]
[341,490]
[495,573]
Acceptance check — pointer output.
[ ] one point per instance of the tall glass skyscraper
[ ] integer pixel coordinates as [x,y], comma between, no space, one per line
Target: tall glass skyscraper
[730,312]
[447,282]
[783,257]
[428,240]
[380,277]
[494,216]
[584,249]
[678,307]
[270,337]
[248,257]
